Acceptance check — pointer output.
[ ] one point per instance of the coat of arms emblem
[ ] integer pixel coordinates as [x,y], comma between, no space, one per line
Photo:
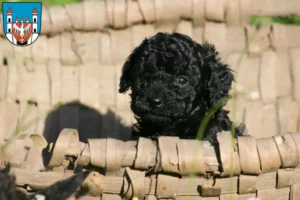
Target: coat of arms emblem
[22,22]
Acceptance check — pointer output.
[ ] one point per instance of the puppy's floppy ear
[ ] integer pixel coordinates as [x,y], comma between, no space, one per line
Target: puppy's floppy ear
[125,81]
[135,58]
[219,76]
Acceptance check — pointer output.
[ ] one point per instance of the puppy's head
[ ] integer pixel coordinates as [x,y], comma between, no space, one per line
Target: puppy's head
[170,76]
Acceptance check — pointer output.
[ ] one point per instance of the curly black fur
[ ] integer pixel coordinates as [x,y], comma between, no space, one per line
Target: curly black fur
[58,191]
[174,81]
[8,190]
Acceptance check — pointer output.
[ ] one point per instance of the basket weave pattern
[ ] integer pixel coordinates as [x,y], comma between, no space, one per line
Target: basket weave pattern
[234,169]
[79,55]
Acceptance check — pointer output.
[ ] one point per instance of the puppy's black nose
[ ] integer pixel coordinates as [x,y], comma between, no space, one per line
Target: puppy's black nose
[155,102]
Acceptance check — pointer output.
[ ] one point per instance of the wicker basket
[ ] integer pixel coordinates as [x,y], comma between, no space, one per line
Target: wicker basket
[173,168]
[79,56]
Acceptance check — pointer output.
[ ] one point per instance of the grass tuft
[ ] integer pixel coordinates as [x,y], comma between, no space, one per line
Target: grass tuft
[275,20]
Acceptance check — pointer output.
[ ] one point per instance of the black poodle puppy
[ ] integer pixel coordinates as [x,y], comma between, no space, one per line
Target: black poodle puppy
[174,82]
[58,191]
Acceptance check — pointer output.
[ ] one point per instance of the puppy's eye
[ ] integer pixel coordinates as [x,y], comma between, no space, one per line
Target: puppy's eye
[182,80]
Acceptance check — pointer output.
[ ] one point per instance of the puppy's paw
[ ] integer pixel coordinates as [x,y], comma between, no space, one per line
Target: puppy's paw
[241,129]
